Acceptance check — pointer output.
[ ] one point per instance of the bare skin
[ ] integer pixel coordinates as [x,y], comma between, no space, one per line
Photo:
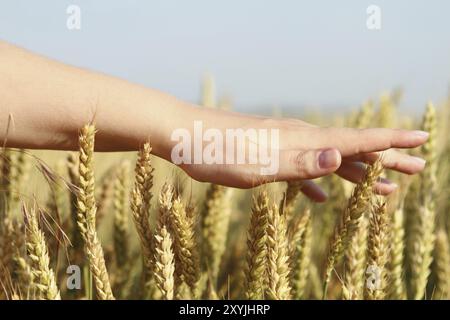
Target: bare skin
[44,103]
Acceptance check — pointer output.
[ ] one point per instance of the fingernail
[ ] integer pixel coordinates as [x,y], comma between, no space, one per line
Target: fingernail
[388,182]
[385,181]
[421,134]
[327,159]
[419,160]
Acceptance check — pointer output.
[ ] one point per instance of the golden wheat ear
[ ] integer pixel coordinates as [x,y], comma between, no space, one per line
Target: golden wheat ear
[182,226]
[164,256]
[278,284]
[300,254]
[86,214]
[257,247]
[44,281]
[423,231]
[397,288]
[141,196]
[121,232]
[377,248]
[215,223]
[355,263]
[357,205]
[442,266]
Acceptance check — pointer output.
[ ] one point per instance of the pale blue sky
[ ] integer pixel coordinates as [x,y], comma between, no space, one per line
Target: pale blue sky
[263,53]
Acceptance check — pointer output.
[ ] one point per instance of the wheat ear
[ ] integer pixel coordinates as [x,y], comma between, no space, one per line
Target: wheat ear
[365,115]
[121,215]
[257,248]
[105,195]
[164,256]
[330,214]
[76,238]
[396,275]
[386,113]
[290,196]
[356,206]
[44,277]
[442,266]
[140,207]
[5,178]
[301,255]
[185,246]
[6,250]
[18,176]
[121,233]
[377,248]
[20,267]
[86,213]
[424,224]
[278,286]
[215,222]
[355,263]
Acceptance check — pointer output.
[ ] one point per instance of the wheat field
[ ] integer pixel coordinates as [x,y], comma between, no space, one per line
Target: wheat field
[132,226]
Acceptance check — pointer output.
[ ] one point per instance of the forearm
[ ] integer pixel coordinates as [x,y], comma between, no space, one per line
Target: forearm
[45,104]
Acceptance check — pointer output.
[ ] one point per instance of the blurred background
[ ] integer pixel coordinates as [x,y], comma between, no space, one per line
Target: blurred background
[289,56]
[317,60]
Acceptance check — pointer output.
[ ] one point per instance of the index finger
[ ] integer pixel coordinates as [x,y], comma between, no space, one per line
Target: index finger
[354,141]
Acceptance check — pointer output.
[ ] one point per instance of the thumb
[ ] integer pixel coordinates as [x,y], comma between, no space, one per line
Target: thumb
[308,164]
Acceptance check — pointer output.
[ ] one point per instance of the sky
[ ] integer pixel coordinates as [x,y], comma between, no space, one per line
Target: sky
[290,54]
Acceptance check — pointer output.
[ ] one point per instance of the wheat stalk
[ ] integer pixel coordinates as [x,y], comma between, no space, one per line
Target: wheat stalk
[44,277]
[86,214]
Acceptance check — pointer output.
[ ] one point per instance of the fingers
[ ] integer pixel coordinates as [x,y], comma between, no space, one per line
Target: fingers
[355,141]
[354,172]
[313,191]
[384,187]
[392,159]
[307,164]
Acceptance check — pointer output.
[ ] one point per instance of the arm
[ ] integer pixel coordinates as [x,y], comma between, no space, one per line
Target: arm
[44,103]
[49,102]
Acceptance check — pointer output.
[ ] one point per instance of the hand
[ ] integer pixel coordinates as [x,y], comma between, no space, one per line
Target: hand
[308,152]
